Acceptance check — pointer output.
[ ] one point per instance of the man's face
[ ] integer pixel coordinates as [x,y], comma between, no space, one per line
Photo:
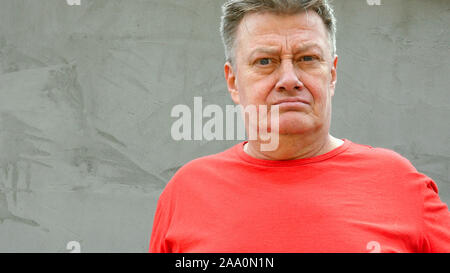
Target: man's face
[285,60]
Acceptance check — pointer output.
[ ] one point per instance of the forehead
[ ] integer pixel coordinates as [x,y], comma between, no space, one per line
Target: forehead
[288,31]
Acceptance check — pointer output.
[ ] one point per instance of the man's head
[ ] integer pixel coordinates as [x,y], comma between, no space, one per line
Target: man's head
[235,10]
[282,52]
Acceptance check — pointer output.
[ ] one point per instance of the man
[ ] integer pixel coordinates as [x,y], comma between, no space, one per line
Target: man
[314,192]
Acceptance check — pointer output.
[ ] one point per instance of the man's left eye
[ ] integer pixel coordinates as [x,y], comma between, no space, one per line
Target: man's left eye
[308,58]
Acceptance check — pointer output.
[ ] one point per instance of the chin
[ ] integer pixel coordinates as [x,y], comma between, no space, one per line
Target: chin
[295,123]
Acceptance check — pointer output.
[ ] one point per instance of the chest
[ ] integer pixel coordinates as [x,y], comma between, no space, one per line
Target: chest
[295,219]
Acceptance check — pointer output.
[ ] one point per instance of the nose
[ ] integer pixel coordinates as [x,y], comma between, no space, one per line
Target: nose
[288,80]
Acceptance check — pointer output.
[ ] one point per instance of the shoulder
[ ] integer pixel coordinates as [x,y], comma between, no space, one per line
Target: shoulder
[376,156]
[391,171]
[199,171]
[391,167]
[200,165]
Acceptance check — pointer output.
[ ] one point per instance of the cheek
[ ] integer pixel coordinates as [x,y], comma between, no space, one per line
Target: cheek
[255,90]
[319,89]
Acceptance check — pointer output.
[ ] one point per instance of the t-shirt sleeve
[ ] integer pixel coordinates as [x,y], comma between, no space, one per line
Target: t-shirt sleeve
[161,223]
[436,221]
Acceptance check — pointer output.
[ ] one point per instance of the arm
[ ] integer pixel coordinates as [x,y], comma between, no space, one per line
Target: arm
[161,223]
[436,217]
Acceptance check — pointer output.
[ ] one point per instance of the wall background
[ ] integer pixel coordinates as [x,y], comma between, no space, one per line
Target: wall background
[86,93]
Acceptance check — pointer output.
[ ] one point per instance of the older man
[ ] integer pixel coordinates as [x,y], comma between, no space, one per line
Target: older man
[314,192]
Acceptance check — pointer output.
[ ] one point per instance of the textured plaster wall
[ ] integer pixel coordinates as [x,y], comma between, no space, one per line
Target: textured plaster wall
[86,93]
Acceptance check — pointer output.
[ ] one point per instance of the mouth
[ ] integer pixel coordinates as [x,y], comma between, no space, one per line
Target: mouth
[292,103]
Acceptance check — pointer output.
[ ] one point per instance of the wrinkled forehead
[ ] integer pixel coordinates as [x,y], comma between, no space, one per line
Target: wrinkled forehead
[305,26]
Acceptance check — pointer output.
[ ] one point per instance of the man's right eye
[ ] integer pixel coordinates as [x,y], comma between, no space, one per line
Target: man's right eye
[264,61]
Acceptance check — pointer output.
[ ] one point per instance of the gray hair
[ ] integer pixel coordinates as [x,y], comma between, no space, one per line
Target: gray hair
[235,10]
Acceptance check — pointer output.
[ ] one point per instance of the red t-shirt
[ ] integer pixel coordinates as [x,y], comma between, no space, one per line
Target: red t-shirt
[355,198]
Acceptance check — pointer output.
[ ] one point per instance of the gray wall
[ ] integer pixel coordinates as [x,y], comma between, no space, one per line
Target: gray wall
[86,93]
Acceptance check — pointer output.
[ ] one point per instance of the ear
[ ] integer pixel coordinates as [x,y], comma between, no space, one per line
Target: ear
[333,75]
[230,77]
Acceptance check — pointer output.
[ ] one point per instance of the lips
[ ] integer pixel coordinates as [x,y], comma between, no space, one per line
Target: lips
[291,101]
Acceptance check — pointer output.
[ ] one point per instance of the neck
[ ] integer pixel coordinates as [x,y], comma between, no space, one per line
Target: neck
[294,147]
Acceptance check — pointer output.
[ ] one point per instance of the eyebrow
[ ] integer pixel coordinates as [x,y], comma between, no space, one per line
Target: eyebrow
[267,50]
[297,49]
[306,47]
